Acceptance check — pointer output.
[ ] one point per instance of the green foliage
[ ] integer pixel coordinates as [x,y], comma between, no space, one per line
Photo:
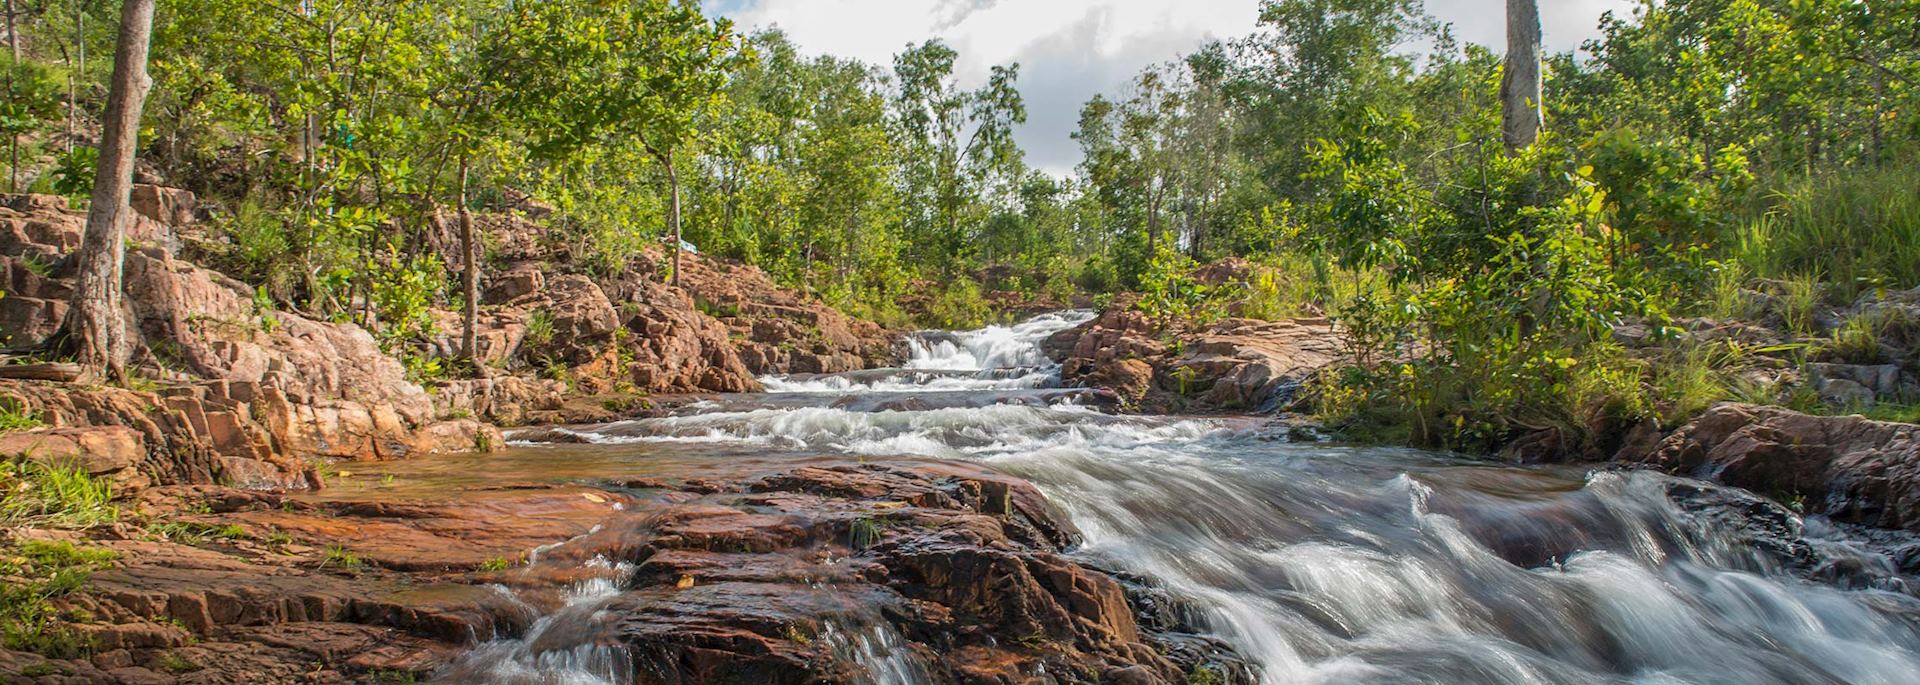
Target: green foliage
[959,305]
[57,496]
[47,571]
[194,533]
[338,556]
[864,533]
[539,329]
[73,171]
[1169,293]
[177,664]
[1203,674]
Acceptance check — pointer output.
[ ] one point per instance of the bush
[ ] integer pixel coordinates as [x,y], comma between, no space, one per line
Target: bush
[959,306]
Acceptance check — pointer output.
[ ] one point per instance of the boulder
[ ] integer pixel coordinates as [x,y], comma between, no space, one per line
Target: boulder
[1858,384]
[1847,467]
[520,281]
[113,453]
[1231,365]
[168,206]
[583,317]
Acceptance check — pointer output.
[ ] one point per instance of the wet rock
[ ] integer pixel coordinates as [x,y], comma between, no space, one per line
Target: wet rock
[1849,468]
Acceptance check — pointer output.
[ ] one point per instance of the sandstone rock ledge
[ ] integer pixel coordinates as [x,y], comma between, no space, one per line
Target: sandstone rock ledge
[1846,467]
[744,577]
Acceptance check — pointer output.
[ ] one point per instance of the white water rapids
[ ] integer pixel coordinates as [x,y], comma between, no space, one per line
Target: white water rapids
[1329,564]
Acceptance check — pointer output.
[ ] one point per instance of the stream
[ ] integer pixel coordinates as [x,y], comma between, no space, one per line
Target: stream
[1319,563]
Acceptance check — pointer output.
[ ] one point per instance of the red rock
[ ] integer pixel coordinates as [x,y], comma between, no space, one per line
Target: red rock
[1846,467]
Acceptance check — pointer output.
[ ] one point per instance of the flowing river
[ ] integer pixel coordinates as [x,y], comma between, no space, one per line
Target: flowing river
[1319,563]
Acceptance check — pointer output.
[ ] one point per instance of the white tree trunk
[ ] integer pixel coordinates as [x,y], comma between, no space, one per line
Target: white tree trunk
[1523,114]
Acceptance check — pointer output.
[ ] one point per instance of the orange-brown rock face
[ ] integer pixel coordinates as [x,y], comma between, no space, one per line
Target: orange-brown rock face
[735,574]
[1846,467]
[1230,365]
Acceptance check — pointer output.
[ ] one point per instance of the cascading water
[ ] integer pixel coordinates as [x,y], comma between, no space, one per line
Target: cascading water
[1328,564]
[992,358]
[559,648]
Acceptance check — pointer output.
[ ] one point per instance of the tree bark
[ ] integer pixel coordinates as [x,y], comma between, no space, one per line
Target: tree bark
[470,319]
[96,326]
[673,211]
[13,34]
[1522,110]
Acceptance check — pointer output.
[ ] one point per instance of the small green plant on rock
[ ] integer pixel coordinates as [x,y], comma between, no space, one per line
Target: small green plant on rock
[56,496]
[14,416]
[46,571]
[864,533]
[336,555]
[175,663]
[539,329]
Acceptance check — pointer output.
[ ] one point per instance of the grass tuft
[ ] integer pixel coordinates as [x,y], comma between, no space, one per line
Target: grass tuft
[53,496]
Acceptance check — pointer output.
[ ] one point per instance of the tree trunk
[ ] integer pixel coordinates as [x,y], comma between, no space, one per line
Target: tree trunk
[1522,108]
[470,319]
[96,325]
[673,211]
[13,34]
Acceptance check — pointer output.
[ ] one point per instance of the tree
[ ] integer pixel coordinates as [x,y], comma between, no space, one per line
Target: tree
[645,72]
[96,326]
[958,143]
[1522,111]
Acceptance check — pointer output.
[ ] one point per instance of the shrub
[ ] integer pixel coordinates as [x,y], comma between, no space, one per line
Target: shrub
[959,306]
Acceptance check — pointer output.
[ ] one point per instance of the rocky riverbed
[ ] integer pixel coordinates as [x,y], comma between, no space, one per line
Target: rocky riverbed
[1085,497]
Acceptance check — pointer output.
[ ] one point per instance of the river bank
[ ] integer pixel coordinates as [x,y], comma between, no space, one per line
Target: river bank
[1084,497]
[780,538]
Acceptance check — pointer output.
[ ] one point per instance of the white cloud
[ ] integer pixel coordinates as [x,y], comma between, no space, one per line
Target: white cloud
[1070,50]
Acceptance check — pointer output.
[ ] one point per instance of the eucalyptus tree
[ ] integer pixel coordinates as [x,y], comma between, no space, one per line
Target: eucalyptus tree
[957,144]
[1523,109]
[607,74]
[96,329]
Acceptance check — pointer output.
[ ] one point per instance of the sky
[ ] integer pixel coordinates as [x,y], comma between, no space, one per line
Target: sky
[1070,50]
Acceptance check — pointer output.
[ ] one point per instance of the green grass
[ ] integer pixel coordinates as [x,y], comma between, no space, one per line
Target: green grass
[1857,231]
[47,570]
[194,533]
[335,555]
[539,329]
[15,416]
[37,265]
[864,533]
[1857,341]
[53,496]
[496,564]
